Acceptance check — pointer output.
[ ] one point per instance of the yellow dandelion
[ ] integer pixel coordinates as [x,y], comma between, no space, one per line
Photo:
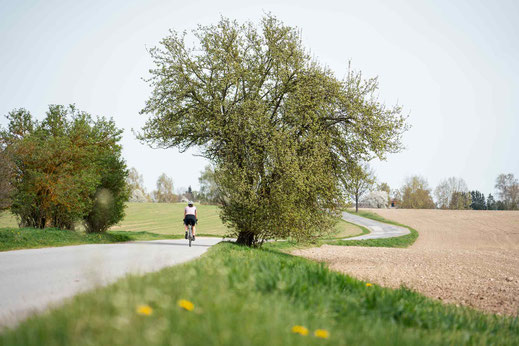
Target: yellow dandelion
[368,285]
[186,304]
[322,333]
[299,330]
[144,310]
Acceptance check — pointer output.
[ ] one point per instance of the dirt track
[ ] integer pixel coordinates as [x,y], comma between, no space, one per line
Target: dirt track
[461,257]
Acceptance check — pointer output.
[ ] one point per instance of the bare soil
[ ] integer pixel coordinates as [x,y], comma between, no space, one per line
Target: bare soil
[463,257]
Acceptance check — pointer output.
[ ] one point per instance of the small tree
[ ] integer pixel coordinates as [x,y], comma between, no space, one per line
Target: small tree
[164,192]
[478,200]
[135,182]
[508,191]
[359,180]
[416,194]
[447,189]
[208,189]
[375,199]
[491,203]
[460,200]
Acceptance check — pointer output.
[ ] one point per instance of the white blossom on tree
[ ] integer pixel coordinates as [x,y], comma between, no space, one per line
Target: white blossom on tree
[375,199]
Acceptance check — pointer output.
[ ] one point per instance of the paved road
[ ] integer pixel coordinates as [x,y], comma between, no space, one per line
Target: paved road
[378,229]
[31,280]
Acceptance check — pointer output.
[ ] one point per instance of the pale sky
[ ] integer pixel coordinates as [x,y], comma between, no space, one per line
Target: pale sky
[453,65]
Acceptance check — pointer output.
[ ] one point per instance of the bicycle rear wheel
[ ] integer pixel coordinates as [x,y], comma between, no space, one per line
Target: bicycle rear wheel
[190,234]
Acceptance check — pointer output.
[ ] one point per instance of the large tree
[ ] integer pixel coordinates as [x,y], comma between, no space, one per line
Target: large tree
[416,194]
[279,128]
[6,172]
[508,191]
[359,180]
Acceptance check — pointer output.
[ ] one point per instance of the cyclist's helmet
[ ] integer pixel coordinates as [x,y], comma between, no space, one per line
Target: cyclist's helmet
[190,203]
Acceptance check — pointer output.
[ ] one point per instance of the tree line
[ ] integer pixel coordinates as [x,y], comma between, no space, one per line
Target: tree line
[451,193]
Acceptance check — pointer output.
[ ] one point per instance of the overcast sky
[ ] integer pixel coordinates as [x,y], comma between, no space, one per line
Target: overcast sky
[453,65]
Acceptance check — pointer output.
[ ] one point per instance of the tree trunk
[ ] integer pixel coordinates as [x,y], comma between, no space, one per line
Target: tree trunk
[356,203]
[245,238]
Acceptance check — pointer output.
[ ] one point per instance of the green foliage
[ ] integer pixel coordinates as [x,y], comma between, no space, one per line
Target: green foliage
[61,166]
[279,129]
[416,194]
[491,202]
[508,191]
[460,200]
[246,296]
[478,200]
[358,181]
[208,189]
[164,192]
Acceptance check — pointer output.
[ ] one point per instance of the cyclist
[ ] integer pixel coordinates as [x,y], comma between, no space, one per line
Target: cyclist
[190,217]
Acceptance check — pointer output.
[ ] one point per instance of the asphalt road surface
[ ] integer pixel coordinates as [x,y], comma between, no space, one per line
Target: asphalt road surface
[377,229]
[32,280]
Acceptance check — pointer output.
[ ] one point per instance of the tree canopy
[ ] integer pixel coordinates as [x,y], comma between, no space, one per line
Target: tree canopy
[67,168]
[279,128]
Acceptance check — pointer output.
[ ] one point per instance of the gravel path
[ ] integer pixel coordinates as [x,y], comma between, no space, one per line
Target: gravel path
[31,280]
[378,229]
[462,257]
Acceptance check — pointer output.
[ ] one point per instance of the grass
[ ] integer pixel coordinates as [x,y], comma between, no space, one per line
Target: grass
[246,296]
[143,221]
[402,241]
[166,218]
[30,238]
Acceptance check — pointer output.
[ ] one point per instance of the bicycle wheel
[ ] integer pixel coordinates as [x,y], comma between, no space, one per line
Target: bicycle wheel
[190,234]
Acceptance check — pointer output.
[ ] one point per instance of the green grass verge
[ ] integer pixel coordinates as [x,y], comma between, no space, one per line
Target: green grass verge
[402,241]
[246,296]
[31,238]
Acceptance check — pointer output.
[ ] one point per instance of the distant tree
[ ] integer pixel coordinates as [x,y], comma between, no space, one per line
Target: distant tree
[416,194]
[136,187]
[500,205]
[508,191]
[491,203]
[164,192]
[478,200]
[375,199]
[385,187]
[447,189]
[460,200]
[208,189]
[359,180]
[61,164]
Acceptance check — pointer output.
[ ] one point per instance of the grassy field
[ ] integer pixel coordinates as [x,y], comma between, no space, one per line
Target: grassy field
[143,221]
[246,296]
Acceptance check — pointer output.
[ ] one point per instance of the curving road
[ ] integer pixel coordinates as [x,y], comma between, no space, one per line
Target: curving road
[31,280]
[377,229]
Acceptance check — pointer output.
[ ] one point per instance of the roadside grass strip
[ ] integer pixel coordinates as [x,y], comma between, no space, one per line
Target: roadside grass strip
[235,295]
[32,238]
[402,241]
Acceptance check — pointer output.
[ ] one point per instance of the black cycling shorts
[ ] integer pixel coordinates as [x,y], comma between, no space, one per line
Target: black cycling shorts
[190,220]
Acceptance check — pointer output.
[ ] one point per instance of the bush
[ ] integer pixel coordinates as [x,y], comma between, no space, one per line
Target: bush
[61,164]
